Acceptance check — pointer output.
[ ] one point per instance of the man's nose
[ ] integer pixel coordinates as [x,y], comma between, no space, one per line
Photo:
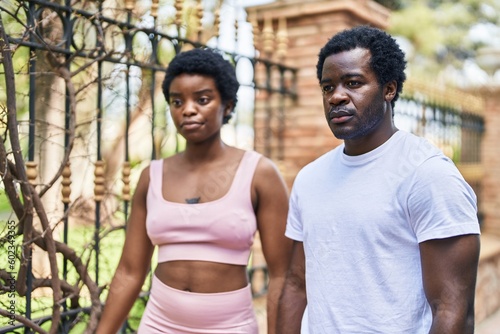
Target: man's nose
[338,96]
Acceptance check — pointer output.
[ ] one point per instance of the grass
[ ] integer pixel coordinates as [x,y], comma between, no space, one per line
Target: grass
[80,238]
[4,202]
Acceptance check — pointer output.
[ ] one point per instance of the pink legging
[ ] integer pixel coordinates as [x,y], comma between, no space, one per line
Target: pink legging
[175,311]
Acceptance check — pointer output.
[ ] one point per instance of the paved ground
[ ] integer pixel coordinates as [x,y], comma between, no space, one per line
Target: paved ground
[491,325]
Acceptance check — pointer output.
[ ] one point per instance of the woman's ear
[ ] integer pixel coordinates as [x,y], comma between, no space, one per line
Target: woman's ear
[228,108]
[390,90]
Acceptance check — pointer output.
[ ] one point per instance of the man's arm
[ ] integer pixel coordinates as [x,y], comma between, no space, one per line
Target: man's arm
[449,270]
[293,299]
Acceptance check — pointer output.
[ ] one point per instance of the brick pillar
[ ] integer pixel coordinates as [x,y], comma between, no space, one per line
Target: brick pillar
[310,23]
[490,157]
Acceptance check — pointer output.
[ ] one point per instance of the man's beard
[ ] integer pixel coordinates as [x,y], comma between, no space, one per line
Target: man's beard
[368,122]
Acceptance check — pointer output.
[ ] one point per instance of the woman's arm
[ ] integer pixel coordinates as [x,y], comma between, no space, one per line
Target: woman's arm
[272,210]
[449,269]
[133,266]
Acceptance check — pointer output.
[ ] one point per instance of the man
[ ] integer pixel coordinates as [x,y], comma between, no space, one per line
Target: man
[385,230]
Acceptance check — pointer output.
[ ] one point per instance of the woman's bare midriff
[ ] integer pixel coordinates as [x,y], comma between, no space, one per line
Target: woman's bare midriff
[202,276]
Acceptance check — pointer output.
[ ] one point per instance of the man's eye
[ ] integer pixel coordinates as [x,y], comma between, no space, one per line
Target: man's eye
[352,83]
[326,89]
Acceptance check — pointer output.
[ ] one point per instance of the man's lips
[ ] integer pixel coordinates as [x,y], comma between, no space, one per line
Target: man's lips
[339,116]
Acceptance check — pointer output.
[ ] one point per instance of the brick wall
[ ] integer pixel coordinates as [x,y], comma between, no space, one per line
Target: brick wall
[490,157]
[488,280]
[309,26]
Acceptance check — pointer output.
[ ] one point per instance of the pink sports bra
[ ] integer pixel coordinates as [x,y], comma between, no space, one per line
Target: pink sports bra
[218,231]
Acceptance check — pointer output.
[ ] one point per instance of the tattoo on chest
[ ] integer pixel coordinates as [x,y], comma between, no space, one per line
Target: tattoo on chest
[193,200]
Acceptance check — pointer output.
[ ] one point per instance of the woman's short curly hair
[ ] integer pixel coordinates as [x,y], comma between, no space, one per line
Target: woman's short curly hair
[387,60]
[205,62]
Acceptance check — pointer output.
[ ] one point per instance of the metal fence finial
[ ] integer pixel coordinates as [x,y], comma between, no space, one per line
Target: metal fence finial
[126,181]
[129,4]
[31,172]
[199,20]
[99,181]
[66,184]
[154,8]
[179,5]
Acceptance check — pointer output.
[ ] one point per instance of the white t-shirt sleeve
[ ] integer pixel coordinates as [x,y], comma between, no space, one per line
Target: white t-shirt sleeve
[294,228]
[440,202]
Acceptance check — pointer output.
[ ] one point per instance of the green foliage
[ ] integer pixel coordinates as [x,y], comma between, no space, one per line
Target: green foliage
[417,24]
[80,238]
[391,4]
[439,30]
[4,202]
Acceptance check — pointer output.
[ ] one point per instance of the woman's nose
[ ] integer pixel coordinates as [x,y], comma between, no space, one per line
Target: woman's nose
[189,108]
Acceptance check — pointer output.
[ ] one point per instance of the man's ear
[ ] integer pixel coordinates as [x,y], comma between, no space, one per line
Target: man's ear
[390,90]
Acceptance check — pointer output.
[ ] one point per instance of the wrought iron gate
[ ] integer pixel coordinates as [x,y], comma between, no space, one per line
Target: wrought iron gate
[88,103]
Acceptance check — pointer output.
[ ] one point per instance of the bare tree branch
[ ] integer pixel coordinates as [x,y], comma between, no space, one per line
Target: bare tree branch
[24,321]
[26,189]
[81,269]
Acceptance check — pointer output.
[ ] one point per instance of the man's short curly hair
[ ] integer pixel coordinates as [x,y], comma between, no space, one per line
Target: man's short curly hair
[205,62]
[387,60]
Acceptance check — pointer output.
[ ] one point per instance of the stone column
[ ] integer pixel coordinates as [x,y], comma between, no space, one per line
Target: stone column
[309,25]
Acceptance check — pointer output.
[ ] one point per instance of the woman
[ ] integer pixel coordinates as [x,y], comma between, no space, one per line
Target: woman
[202,208]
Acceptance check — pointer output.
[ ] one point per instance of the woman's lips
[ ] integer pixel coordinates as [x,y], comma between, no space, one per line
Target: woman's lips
[191,125]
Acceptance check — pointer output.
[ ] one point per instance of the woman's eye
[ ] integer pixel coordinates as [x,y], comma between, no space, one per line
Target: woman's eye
[203,100]
[352,83]
[175,103]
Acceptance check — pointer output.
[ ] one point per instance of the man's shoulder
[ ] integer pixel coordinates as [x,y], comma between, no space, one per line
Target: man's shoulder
[416,148]
[320,164]
[326,158]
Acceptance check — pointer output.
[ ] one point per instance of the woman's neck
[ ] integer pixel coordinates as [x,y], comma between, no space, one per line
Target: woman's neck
[204,151]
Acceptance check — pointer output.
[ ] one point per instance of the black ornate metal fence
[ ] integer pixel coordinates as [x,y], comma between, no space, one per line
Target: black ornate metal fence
[91,114]
[452,120]
[88,96]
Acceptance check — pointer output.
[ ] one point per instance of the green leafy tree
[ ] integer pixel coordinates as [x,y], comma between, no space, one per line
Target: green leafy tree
[441,32]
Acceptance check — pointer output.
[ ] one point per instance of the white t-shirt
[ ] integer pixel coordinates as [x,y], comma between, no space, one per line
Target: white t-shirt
[361,219]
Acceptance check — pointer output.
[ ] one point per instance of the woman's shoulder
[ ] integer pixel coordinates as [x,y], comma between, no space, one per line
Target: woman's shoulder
[171,160]
[266,169]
